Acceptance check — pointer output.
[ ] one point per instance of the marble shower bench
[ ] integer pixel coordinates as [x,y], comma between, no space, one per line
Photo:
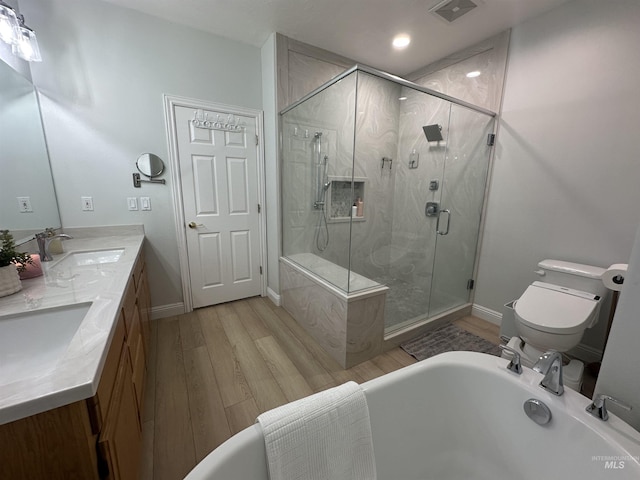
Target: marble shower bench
[343,311]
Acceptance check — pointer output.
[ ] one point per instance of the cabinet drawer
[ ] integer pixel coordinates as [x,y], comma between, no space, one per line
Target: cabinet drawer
[129,305]
[120,442]
[138,376]
[109,372]
[137,271]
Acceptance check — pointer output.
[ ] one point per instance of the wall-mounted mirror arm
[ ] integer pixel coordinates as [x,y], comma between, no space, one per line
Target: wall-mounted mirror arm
[137,180]
[150,166]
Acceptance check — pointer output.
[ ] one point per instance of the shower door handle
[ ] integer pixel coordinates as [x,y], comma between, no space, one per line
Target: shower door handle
[448,212]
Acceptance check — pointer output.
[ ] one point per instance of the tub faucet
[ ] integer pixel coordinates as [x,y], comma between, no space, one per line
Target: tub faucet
[598,407]
[43,244]
[515,365]
[550,365]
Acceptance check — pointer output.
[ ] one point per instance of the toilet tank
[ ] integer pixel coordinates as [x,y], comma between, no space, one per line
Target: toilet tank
[573,275]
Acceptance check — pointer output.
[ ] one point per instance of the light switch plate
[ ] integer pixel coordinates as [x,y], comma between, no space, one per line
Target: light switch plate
[87,204]
[132,203]
[24,204]
[145,203]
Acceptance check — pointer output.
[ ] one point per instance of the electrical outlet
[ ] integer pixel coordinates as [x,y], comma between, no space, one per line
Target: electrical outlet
[145,203]
[132,203]
[87,204]
[24,205]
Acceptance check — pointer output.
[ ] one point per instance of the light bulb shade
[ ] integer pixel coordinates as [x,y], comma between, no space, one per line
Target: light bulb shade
[26,46]
[8,24]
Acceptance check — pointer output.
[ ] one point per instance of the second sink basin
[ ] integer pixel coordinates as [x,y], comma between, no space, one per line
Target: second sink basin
[94,257]
[31,343]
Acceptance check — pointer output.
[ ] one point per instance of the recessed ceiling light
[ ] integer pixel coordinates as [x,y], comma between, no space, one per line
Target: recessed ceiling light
[402,98]
[401,41]
[475,73]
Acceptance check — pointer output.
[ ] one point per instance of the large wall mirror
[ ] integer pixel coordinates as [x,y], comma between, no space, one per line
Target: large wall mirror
[27,196]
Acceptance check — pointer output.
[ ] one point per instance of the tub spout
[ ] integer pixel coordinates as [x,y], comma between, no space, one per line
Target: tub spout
[550,365]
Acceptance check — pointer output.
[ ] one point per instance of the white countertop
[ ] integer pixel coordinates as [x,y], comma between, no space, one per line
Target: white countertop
[76,375]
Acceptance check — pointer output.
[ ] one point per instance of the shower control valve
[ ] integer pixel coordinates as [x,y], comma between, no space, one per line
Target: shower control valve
[432,209]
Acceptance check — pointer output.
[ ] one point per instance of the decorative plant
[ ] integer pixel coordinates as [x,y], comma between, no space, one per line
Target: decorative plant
[9,254]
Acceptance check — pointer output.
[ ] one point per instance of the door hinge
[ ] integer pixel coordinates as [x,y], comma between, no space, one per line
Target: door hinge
[257,142]
[260,269]
[470,284]
[259,208]
[491,139]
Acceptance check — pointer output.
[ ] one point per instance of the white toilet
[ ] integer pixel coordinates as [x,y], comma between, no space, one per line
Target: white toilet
[553,314]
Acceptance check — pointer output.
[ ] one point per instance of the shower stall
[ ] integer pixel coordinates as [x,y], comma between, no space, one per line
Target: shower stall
[383,184]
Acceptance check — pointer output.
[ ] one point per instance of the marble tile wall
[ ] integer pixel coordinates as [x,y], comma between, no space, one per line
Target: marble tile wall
[376,137]
[449,75]
[414,240]
[349,328]
[330,112]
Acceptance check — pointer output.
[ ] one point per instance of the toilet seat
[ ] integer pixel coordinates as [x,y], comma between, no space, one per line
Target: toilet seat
[557,310]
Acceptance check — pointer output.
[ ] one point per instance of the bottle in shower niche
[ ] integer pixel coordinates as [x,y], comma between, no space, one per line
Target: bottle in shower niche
[354,210]
[359,207]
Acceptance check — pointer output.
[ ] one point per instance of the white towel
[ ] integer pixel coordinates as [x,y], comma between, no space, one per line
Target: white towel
[321,437]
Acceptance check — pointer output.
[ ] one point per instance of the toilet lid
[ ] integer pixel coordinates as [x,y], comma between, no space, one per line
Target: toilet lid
[554,309]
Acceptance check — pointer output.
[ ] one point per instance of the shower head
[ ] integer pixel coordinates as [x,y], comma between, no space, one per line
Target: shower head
[318,135]
[433,132]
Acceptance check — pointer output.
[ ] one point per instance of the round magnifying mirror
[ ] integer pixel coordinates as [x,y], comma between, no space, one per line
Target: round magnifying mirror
[150,165]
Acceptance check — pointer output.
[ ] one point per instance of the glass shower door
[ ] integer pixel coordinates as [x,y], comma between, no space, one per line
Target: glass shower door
[407,258]
[464,179]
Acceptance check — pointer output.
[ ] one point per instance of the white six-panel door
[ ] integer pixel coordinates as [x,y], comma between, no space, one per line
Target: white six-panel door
[220,196]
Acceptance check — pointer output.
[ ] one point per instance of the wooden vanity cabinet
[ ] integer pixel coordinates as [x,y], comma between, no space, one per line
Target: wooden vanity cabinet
[96,438]
[120,441]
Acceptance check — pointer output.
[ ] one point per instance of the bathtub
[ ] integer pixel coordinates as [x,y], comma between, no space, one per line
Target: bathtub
[460,415]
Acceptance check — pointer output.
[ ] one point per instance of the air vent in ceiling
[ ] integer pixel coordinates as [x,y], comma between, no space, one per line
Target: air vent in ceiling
[451,10]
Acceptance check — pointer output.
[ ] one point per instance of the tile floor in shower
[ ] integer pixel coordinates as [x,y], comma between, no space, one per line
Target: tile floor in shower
[408,302]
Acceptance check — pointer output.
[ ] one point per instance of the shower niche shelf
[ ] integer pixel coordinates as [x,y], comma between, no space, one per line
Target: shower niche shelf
[340,198]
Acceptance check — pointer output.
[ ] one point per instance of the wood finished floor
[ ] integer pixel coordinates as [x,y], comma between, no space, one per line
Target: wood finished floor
[213,371]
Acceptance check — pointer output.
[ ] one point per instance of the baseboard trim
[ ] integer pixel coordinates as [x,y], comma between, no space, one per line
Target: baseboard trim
[273,296]
[486,314]
[586,353]
[169,310]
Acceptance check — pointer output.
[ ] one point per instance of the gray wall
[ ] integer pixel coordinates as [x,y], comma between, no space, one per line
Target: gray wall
[103,74]
[566,170]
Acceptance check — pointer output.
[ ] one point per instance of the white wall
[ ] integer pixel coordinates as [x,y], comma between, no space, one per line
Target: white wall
[102,77]
[566,172]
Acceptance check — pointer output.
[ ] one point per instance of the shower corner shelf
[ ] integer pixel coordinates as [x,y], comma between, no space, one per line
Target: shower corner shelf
[340,198]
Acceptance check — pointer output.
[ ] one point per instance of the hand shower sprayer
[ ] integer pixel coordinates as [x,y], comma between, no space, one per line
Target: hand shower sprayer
[322,185]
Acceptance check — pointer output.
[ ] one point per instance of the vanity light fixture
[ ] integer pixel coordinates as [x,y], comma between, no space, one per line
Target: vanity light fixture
[14,32]
[401,41]
[26,45]
[8,23]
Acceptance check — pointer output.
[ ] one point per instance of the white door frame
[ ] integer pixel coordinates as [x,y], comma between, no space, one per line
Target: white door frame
[171,101]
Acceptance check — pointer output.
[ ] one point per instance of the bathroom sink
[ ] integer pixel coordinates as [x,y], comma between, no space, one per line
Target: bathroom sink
[93,257]
[32,343]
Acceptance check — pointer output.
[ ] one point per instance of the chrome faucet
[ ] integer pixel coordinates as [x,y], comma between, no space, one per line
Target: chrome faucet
[515,365]
[598,407]
[550,365]
[43,244]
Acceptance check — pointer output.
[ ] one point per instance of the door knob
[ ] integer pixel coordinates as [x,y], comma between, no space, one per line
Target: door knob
[193,225]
